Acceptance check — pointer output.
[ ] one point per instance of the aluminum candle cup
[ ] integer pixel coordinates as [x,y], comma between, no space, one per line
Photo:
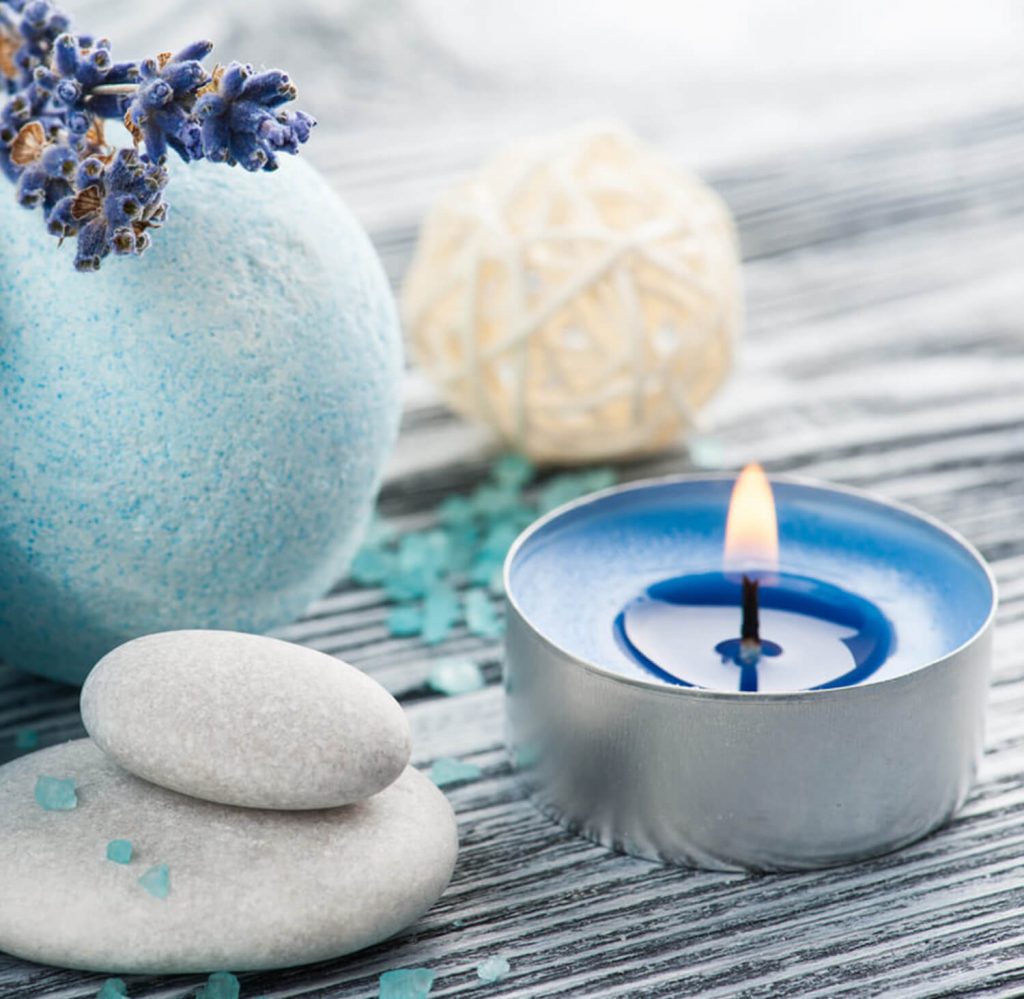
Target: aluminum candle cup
[636,752]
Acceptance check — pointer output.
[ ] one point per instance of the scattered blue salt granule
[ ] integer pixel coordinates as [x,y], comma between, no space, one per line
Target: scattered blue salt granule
[483,571]
[372,566]
[120,851]
[448,770]
[498,541]
[463,542]
[421,572]
[405,621]
[455,511]
[513,470]
[379,533]
[572,485]
[441,611]
[496,586]
[493,969]
[409,584]
[220,985]
[112,988]
[455,676]
[495,502]
[423,551]
[406,983]
[56,794]
[157,881]
[481,617]
[26,739]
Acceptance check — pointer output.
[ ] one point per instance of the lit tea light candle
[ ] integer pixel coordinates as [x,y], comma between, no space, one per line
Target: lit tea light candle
[746,675]
[792,632]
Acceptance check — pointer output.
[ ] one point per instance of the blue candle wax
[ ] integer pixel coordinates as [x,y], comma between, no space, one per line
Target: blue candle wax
[866,590]
[813,635]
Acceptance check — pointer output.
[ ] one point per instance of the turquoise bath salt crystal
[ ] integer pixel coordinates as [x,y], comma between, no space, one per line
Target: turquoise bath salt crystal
[26,740]
[496,586]
[521,517]
[438,553]
[448,770]
[112,988]
[456,676]
[56,794]
[157,881]
[440,613]
[572,485]
[372,566]
[455,511]
[560,490]
[481,618]
[513,471]
[120,851]
[411,552]
[596,479]
[483,570]
[380,532]
[403,622]
[220,985]
[463,542]
[409,584]
[406,983]
[498,540]
[493,502]
[492,970]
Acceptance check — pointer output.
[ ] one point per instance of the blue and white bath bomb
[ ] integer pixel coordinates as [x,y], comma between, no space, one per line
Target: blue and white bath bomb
[194,438]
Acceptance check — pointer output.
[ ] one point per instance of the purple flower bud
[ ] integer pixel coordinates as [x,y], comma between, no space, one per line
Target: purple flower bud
[239,124]
[65,51]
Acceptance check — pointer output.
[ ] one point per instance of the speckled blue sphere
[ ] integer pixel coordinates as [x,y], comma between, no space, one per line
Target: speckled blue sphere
[194,438]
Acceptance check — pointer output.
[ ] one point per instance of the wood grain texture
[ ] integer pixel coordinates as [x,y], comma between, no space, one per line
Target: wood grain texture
[885,349]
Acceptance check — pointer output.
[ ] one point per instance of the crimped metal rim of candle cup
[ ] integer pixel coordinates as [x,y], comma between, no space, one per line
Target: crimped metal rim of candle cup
[598,765]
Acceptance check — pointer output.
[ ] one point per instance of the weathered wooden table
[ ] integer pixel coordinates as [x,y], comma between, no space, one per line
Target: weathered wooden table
[883,233]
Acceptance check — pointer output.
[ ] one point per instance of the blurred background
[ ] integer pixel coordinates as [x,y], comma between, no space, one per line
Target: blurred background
[410,91]
[872,154]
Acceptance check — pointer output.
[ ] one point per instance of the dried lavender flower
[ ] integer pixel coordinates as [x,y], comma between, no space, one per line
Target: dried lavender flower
[160,113]
[38,27]
[240,122]
[48,178]
[115,204]
[80,66]
[61,88]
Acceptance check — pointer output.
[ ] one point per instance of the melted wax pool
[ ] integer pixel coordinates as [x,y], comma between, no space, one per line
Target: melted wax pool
[814,635]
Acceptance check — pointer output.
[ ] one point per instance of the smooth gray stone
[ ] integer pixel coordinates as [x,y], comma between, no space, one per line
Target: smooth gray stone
[245,720]
[250,889]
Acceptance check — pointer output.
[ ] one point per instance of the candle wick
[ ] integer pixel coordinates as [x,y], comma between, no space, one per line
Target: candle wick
[750,630]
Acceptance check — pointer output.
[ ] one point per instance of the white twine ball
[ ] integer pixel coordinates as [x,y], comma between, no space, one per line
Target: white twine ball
[580,295]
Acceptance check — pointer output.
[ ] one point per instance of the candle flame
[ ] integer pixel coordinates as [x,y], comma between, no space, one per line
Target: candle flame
[752,530]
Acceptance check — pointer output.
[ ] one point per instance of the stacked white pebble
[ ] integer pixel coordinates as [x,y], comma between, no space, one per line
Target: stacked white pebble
[266,793]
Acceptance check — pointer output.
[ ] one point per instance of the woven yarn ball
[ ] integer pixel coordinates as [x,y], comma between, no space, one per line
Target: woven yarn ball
[193,438]
[580,294]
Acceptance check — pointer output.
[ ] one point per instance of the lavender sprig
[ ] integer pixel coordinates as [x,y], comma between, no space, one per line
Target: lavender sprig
[61,88]
[160,112]
[240,123]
